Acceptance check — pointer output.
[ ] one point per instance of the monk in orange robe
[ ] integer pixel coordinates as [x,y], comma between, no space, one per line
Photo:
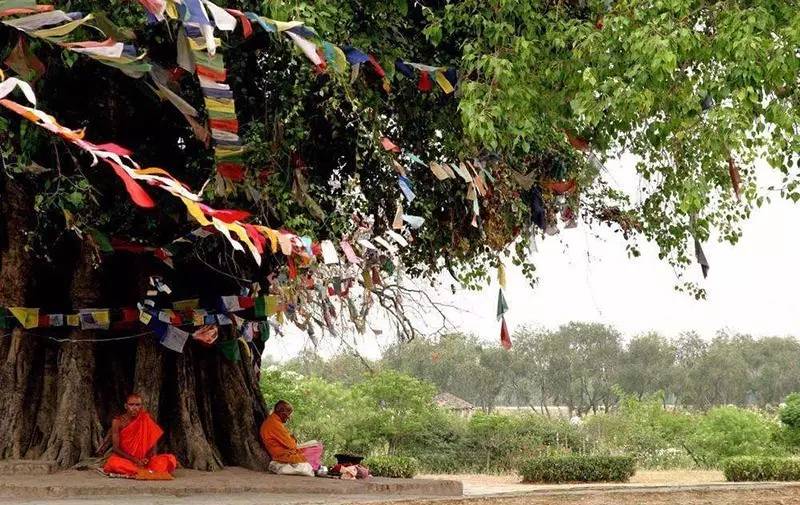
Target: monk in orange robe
[134,436]
[287,457]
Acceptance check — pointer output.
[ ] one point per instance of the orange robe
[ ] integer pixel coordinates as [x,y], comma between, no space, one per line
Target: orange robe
[280,444]
[137,438]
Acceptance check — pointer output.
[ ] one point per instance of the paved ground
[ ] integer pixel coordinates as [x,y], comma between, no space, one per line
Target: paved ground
[230,481]
[235,486]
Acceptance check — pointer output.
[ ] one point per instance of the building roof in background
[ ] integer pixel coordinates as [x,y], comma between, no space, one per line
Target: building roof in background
[453,402]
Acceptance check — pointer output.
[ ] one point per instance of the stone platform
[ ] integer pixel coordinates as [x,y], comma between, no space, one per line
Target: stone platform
[26,467]
[232,480]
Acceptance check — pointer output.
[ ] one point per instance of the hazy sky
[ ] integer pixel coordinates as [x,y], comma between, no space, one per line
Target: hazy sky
[586,275]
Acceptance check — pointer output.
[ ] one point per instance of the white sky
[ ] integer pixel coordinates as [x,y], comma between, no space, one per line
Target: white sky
[586,275]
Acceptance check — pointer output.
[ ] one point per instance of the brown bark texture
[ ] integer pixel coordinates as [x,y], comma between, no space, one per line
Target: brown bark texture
[58,398]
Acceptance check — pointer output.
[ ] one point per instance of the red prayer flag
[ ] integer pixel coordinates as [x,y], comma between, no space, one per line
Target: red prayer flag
[232,171]
[505,338]
[733,171]
[377,66]
[136,192]
[227,216]
[425,84]
[228,125]
[22,60]
[247,27]
[214,75]
[389,145]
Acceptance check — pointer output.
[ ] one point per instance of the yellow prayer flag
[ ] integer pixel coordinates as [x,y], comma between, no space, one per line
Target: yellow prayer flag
[102,317]
[443,82]
[223,105]
[61,30]
[501,275]
[282,26]
[271,305]
[28,318]
[195,212]
[200,44]
[144,317]
[172,9]
[73,320]
[184,305]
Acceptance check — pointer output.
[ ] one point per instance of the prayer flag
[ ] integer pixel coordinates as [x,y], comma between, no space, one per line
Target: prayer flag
[502,306]
[505,338]
[349,253]
[329,254]
[230,349]
[415,222]
[231,303]
[206,335]
[28,318]
[405,187]
[174,339]
[186,305]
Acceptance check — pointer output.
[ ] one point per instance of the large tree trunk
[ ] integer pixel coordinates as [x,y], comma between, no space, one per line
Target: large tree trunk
[58,398]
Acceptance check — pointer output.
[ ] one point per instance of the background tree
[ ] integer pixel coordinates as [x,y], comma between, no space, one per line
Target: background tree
[647,365]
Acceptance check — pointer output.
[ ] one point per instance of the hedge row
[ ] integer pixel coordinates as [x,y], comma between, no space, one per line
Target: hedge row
[754,468]
[401,467]
[577,468]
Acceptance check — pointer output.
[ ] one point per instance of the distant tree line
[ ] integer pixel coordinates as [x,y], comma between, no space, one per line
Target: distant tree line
[579,364]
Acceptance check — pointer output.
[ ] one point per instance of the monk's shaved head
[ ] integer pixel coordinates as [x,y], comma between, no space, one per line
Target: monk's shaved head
[282,406]
[283,410]
[133,404]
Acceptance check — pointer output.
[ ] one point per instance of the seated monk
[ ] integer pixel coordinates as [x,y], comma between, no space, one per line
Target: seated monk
[287,457]
[133,437]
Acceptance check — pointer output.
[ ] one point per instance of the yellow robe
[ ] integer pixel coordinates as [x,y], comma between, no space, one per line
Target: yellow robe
[280,444]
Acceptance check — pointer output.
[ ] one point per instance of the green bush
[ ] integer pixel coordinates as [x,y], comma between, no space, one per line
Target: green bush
[726,432]
[577,468]
[402,467]
[790,413]
[643,429]
[752,468]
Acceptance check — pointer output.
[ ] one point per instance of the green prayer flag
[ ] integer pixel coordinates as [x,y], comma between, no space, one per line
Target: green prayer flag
[230,349]
[261,306]
[413,157]
[17,4]
[110,29]
[3,316]
[264,330]
[502,306]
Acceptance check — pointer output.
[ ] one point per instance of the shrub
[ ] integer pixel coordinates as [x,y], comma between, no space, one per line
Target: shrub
[790,412]
[752,468]
[644,429]
[402,467]
[725,432]
[577,468]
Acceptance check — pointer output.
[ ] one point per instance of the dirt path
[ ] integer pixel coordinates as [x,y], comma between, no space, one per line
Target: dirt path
[775,496]
[478,484]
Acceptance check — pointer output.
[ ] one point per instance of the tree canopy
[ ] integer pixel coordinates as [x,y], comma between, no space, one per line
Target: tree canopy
[697,90]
